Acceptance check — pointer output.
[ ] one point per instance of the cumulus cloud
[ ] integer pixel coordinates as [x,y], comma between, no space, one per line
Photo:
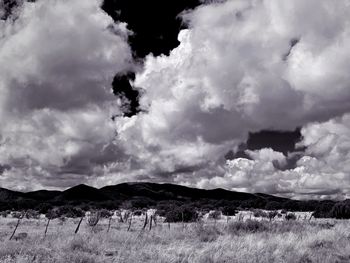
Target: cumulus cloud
[241,66]
[322,172]
[57,62]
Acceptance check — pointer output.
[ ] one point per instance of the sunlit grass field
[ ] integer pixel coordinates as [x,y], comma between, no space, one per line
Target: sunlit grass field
[209,241]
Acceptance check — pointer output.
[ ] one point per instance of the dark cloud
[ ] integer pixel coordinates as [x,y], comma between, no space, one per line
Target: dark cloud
[280,141]
[4,167]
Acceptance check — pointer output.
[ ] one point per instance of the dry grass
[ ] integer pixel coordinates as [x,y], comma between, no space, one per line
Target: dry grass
[234,242]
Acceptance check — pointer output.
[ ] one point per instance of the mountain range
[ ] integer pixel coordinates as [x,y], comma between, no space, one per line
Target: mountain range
[128,191]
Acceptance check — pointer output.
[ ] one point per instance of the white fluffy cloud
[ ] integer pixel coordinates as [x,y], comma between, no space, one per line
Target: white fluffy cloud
[57,62]
[241,66]
[323,172]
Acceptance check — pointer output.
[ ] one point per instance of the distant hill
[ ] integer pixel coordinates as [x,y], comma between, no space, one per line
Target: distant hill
[128,191]
[140,195]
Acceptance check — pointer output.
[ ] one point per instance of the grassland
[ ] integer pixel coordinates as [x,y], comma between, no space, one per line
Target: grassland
[235,241]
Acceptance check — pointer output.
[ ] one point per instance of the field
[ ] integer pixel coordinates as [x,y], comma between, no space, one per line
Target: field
[207,241]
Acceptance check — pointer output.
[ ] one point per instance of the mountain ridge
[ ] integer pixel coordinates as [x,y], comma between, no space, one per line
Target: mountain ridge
[124,191]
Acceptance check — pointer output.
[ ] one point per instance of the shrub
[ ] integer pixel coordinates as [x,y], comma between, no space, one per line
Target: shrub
[139,213]
[215,215]
[104,213]
[341,210]
[17,214]
[43,208]
[52,214]
[272,214]
[291,216]
[260,213]
[249,226]
[181,214]
[32,214]
[4,213]
[206,233]
[70,211]
[80,244]
[93,219]
[229,210]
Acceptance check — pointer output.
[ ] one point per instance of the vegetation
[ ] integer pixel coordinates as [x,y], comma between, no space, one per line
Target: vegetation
[181,214]
[233,241]
[164,198]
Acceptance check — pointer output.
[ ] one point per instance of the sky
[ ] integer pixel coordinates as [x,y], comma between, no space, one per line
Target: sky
[246,95]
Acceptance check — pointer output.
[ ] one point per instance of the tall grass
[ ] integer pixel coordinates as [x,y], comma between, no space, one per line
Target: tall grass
[249,241]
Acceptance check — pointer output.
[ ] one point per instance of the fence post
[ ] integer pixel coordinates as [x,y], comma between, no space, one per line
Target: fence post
[146,221]
[47,225]
[109,224]
[14,231]
[129,223]
[150,223]
[78,226]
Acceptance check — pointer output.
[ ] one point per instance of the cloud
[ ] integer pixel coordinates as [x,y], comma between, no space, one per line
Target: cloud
[57,63]
[322,172]
[242,66]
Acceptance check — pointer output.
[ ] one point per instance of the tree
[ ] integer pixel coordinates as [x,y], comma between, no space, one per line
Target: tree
[70,211]
[291,216]
[272,214]
[341,210]
[182,214]
[229,210]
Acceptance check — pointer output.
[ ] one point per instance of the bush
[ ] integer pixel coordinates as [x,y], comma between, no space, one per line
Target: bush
[139,213]
[43,208]
[32,214]
[341,210]
[260,213]
[4,213]
[290,216]
[214,215]
[52,214]
[182,214]
[249,226]
[207,233]
[17,214]
[229,210]
[104,213]
[272,214]
[70,211]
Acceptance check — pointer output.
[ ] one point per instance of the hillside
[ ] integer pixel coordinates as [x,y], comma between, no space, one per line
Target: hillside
[140,195]
[127,191]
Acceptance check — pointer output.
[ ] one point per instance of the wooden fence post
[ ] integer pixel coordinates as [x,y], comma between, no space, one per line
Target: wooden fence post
[47,225]
[14,231]
[77,229]
[109,224]
[146,221]
[129,223]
